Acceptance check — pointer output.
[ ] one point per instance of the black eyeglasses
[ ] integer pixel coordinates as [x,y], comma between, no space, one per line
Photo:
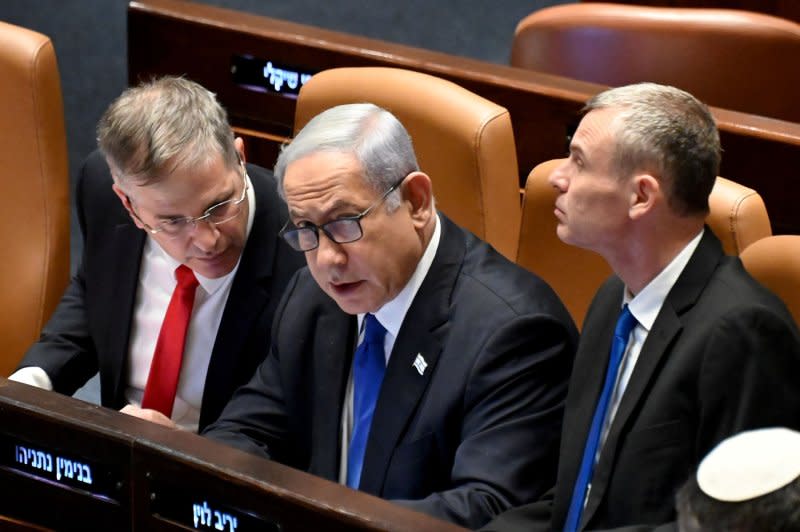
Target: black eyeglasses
[342,230]
[216,214]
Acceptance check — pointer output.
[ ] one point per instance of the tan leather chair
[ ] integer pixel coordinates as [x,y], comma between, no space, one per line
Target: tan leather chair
[775,263]
[464,142]
[733,59]
[34,186]
[738,217]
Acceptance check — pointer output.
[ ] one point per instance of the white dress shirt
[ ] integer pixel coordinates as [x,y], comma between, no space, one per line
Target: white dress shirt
[391,316]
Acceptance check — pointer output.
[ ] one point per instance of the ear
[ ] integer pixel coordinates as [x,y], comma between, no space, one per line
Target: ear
[238,143]
[123,197]
[418,194]
[645,195]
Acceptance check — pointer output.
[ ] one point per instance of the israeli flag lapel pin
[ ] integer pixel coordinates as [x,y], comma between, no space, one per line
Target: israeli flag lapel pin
[420,364]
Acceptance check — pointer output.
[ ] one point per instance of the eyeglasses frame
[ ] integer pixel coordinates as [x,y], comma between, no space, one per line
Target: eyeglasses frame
[193,221]
[286,229]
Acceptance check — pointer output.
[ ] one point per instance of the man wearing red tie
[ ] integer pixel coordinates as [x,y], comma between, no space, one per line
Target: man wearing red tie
[182,265]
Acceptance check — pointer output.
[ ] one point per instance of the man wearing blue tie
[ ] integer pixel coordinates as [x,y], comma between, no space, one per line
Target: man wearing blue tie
[681,348]
[410,360]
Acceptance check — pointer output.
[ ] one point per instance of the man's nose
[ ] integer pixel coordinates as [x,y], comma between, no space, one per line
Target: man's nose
[204,234]
[558,178]
[329,253]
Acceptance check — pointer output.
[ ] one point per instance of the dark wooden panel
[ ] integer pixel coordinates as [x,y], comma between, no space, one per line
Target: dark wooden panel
[68,472]
[176,37]
[165,479]
[14,525]
[209,477]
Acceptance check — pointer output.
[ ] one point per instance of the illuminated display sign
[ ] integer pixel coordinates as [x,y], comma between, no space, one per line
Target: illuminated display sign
[178,504]
[62,469]
[205,518]
[265,75]
[65,469]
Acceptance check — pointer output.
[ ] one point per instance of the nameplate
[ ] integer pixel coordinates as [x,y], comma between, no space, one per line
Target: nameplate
[265,75]
[43,461]
[194,510]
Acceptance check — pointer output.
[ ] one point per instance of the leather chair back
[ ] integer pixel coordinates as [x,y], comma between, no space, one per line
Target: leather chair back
[775,263]
[34,185]
[732,59]
[463,142]
[738,217]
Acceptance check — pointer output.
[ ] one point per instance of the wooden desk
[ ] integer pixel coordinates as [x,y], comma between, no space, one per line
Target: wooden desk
[204,43]
[69,465]
[63,463]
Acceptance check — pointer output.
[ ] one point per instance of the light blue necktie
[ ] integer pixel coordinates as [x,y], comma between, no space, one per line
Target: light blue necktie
[369,365]
[625,325]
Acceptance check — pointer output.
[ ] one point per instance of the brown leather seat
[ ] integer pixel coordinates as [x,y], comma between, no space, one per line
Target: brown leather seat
[34,185]
[728,58]
[738,217]
[775,262]
[464,142]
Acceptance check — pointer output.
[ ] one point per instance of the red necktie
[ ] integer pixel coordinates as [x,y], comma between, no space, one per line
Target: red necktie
[165,369]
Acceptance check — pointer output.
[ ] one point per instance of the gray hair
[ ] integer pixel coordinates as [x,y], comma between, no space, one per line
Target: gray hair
[375,136]
[158,126]
[669,132]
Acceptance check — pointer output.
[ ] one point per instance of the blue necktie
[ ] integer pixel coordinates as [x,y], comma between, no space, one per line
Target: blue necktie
[625,325]
[369,365]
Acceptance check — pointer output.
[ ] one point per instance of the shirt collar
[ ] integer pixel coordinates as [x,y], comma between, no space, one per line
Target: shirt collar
[391,314]
[212,285]
[646,305]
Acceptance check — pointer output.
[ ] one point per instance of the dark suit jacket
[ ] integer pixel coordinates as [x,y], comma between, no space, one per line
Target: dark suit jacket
[476,433]
[90,329]
[723,356]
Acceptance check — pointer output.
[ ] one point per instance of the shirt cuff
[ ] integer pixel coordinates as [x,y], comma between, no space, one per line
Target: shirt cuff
[33,376]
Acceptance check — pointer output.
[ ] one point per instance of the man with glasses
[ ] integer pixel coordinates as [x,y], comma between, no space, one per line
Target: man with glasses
[410,360]
[169,200]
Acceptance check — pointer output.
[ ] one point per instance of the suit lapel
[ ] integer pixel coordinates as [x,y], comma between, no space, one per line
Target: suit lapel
[250,292]
[666,329]
[585,386]
[127,244]
[334,343]
[422,334]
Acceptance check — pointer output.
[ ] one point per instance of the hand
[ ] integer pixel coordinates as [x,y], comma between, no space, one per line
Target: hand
[150,415]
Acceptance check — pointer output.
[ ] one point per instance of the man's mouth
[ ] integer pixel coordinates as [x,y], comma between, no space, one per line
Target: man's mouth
[344,289]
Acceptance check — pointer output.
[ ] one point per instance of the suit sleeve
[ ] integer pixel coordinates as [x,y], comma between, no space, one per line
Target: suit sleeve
[255,420]
[748,376]
[532,517]
[513,411]
[65,350]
